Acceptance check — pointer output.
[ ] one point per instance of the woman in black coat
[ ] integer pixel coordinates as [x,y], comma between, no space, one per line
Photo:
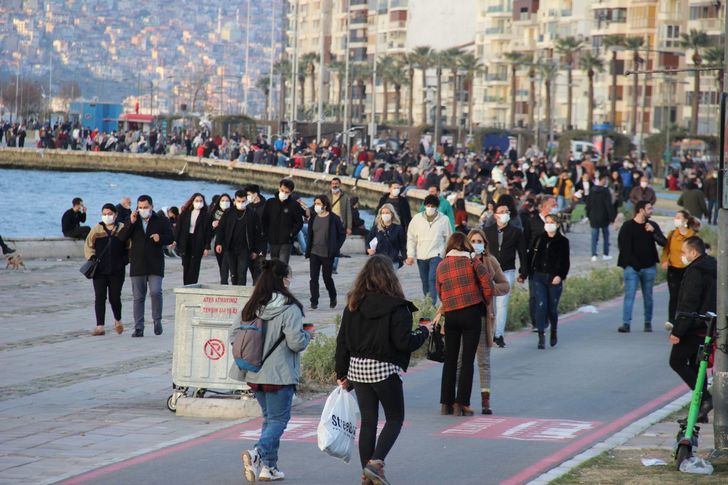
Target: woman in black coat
[192,235]
[549,266]
[217,209]
[325,237]
[390,236]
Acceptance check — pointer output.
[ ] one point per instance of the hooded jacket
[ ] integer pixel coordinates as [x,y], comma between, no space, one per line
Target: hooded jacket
[283,365]
[600,208]
[380,329]
[697,294]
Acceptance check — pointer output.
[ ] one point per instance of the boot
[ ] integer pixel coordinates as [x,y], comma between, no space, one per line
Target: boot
[705,407]
[462,410]
[554,338]
[541,340]
[485,401]
[445,409]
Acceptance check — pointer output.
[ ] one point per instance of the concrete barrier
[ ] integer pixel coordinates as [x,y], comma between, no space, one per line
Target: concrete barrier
[47,247]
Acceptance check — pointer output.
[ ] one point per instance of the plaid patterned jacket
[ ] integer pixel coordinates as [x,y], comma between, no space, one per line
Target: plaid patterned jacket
[456,284]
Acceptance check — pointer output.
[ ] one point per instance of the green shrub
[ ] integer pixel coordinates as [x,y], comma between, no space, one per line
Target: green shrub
[317,362]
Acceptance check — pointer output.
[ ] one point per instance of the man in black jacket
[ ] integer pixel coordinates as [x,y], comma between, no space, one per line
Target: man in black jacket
[123,209]
[72,220]
[149,234]
[257,203]
[601,213]
[638,257]
[239,237]
[400,203]
[282,221]
[697,295]
[505,242]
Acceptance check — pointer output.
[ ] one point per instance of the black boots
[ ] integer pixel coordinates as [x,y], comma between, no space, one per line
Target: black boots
[541,340]
[554,338]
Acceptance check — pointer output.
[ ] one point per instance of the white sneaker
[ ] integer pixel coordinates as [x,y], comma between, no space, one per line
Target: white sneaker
[606,257]
[251,461]
[270,474]
[594,259]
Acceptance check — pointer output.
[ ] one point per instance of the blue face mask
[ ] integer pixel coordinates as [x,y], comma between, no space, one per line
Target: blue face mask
[479,248]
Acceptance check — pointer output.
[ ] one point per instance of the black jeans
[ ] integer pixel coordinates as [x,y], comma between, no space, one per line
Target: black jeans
[281,251]
[462,328]
[238,263]
[683,361]
[191,261]
[112,285]
[389,393]
[674,279]
[79,232]
[224,267]
[317,263]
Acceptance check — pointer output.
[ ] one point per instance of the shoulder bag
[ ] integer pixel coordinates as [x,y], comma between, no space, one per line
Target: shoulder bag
[89,267]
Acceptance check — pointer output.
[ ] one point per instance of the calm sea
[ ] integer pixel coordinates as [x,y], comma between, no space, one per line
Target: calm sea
[35,200]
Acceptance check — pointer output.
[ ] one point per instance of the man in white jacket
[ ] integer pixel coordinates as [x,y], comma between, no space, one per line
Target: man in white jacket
[427,237]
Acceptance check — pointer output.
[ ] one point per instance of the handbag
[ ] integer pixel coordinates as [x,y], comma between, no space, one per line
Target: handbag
[436,345]
[337,428]
[88,268]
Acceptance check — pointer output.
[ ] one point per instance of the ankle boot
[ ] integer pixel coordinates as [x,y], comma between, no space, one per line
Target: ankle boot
[462,410]
[554,338]
[445,409]
[485,401]
[541,340]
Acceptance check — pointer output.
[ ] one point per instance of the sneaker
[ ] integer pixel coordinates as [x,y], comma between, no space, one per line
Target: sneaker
[648,327]
[252,464]
[606,257]
[119,328]
[157,328]
[270,474]
[374,471]
[314,306]
[332,303]
[137,333]
[594,258]
[98,331]
[623,329]
[499,342]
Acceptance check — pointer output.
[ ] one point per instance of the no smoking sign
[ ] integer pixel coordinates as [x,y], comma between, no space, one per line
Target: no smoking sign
[214,349]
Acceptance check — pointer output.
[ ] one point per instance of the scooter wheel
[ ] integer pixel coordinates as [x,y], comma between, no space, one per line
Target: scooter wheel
[683,453]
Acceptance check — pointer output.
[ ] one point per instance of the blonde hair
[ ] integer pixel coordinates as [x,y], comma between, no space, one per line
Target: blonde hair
[395,218]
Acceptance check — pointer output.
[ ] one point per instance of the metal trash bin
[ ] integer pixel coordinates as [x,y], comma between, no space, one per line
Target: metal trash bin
[201,356]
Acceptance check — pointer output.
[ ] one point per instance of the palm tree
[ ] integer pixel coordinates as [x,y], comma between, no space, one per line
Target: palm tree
[307,68]
[411,62]
[397,73]
[439,59]
[532,95]
[472,67]
[451,61]
[634,44]
[568,47]
[695,40]
[339,67]
[423,59]
[282,69]
[384,72]
[591,64]
[516,59]
[360,73]
[549,71]
[263,84]
[613,43]
[713,57]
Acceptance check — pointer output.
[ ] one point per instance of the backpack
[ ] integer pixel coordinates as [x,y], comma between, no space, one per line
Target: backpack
[248,345]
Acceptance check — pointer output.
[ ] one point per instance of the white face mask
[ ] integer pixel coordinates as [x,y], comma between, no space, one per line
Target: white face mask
[386,217]
[479,248]
[678,223]
[554,211]
[550,227]
[643,185]
[335,190]
[145,213]
[197,205]
[251,199]
[318,208]
[430,211]
[283,196]
[395,192]
[225,205]
[503,218]
[684,260]
[240,205]
[108,219]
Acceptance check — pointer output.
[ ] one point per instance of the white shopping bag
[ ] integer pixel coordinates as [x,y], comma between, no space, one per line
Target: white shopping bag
[337,428]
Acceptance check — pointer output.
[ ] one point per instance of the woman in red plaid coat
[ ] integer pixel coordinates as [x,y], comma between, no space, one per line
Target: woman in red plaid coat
[463,284]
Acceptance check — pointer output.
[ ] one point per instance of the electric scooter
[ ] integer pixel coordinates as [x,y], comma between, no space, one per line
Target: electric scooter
[687,437]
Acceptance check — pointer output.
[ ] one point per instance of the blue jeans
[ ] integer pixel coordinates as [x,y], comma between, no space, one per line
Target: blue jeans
[646,279]
[560,202]
[276,408]
[501,305]
[301,238]
[545,297]
[428,272]
[595,239]
[713,211]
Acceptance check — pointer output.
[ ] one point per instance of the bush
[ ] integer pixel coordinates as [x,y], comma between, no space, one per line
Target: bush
[317,362]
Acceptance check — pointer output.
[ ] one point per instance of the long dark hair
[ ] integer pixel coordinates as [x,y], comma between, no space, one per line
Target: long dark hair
[188,205]
[269,282]
[377,276]
[216,204]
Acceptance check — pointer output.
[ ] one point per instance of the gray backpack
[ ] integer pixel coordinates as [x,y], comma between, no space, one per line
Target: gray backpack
[248,345]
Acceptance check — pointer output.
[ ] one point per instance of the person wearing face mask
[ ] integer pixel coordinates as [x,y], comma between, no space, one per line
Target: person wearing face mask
[444,206]
[149,235]
[693,200]
[506,242]
[325,237]
[601,213]
[549,264]
[427,236]
[698,293]
[239,238]
[390,237]
[282,221]
[340,204]
[638,257]
[710,188]
[643,191]
[217,209]
[193,233]
[564,190]
[671,258]
[532,230]
[399,202]
[257,202]
[103,242]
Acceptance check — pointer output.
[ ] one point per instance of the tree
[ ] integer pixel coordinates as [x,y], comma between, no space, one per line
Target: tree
[549,70]
[263,84]
[307,69]
[199,86]
[451,61]
[360,73]
[472,67]
[634,44]
[423,57]
[532,96]
[568,47]
[695,40]
[613,43]
[516,59]
[411,62]
[339,68]
[713,57]
[439,59]
[282,69]
[384,72]
[398,78]
[591,64]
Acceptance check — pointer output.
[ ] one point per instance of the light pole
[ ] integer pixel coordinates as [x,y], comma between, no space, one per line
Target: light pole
[294,72]
[347,91]
[247,59]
